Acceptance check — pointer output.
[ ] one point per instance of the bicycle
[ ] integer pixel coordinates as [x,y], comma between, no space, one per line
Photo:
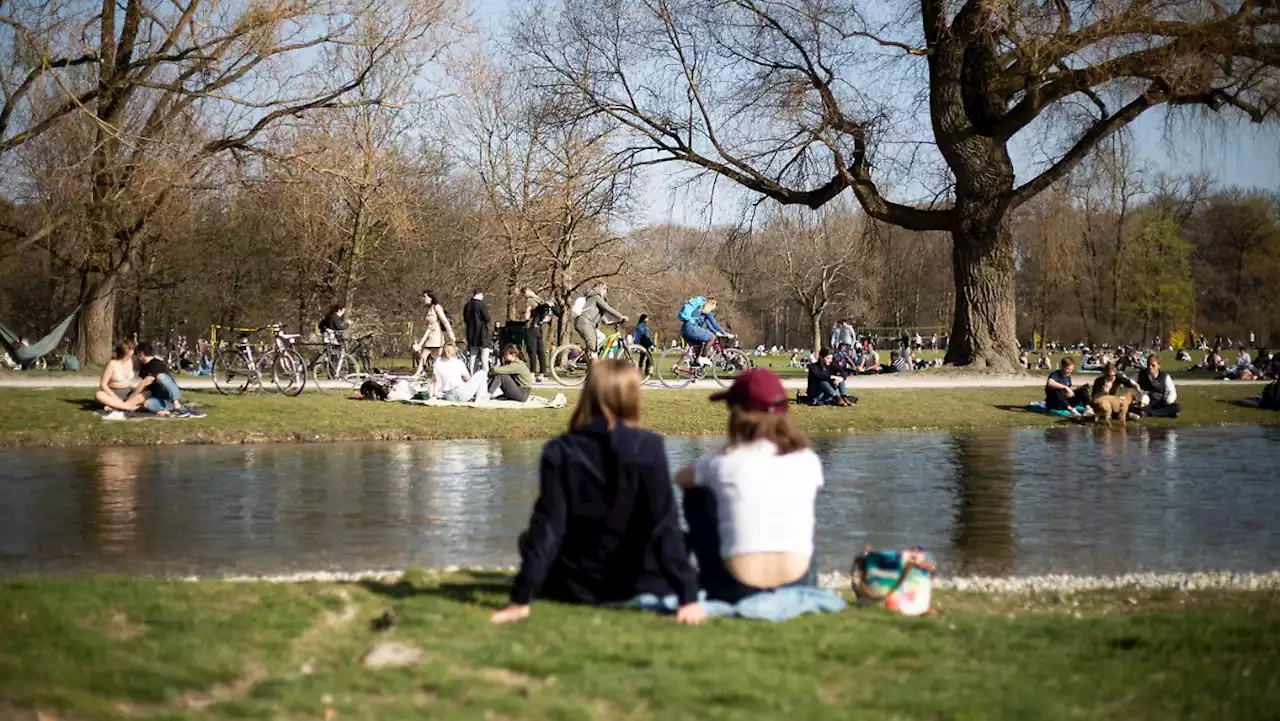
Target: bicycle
[336,363]
[569,362]
[678,367]
[236,366]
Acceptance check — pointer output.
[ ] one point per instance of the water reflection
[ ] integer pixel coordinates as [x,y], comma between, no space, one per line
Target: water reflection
[1093,499]
[114,501]
[983,538]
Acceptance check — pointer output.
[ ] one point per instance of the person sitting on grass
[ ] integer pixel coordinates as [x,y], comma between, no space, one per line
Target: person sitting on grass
[605,528]
[845,361]
[826,385]
[1060,394]
[116,384]
[157,389]
[1241,368]
[868,361]
[512,380]
[898,363]
[452,381]
[1159,397]
[750,507]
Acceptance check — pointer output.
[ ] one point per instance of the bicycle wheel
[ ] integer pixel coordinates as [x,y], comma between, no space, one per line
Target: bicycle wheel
[569,365]
[674,370]
[324,373]
[639,357]
[287,372]
[729,364]
[231,373]
[351,372]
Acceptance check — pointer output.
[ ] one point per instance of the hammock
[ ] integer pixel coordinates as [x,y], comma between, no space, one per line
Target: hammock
[24,354]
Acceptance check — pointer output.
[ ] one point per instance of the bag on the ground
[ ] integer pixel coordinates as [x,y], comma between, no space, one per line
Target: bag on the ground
[691,308]
[901,581]
[70,363]
[373,391]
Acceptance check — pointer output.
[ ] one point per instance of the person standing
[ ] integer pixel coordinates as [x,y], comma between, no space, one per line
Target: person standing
[475,315]
[644,338]
[537,314]
[433,338]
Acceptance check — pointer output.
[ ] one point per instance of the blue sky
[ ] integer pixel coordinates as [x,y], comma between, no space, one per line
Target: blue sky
[1233,152]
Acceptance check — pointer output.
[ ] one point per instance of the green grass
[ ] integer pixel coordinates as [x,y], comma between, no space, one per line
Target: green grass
[60,417]
[124,648]
[1168,361]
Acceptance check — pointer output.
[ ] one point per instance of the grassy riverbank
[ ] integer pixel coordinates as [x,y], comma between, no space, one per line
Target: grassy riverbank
[127,648]
[63,417]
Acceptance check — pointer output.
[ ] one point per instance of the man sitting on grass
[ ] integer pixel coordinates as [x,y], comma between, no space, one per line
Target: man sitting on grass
[512,380]
[826,385]
[1159,397]
[1059,392]
[157,387]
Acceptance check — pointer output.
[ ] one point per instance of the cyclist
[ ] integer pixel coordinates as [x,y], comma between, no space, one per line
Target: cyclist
[594,309]
[701,329]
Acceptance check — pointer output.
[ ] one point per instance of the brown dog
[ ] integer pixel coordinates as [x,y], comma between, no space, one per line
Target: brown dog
[1104,406]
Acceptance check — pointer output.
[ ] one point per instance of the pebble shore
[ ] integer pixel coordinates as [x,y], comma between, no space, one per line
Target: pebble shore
[1055,583]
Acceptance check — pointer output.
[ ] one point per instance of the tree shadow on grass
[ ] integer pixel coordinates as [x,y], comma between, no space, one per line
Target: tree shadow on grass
[84,404]
[474,588]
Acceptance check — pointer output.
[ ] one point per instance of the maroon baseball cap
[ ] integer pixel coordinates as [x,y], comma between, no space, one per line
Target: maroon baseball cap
[758,389]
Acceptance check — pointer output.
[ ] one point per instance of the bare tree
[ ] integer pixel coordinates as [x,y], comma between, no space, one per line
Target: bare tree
[163,87]
[779,96]
[815,253]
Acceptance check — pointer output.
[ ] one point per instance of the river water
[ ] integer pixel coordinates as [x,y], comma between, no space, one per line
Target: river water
[1009,502]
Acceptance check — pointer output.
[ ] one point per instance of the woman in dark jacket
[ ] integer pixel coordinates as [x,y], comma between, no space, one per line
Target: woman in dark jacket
[605,527]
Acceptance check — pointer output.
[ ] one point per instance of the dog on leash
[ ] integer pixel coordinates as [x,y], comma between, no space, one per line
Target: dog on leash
[1104,406]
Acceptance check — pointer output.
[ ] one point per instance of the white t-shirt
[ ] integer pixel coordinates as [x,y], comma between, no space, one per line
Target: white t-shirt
[449,373]
[764,500]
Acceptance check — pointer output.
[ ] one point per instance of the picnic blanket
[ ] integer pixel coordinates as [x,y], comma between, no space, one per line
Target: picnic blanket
[534,403]
[1039,407]
[184,414]
[779,605]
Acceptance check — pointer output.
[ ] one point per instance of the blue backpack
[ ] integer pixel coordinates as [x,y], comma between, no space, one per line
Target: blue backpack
[691,308]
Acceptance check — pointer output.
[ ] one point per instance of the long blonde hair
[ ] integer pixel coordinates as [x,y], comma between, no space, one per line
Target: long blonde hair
[612,391]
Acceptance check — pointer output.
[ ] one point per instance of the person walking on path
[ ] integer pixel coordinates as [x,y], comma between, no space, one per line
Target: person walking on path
[438,329]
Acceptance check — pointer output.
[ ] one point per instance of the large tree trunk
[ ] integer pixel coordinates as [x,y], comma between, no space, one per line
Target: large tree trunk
[817,330]
[96,324]
[984,331]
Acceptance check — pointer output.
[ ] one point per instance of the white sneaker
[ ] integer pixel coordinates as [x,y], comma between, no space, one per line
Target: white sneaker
[1089,412]
[1134,416]
[704,361]
[114,416]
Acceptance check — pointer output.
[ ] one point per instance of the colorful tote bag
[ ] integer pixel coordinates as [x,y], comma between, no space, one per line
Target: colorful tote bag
[901,581]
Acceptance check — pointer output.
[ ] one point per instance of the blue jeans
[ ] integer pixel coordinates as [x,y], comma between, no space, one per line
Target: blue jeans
[162,394]
[714,578]
[694,333]
[827,393]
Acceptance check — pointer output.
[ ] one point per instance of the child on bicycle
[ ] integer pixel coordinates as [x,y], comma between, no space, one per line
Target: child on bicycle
[703,328]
